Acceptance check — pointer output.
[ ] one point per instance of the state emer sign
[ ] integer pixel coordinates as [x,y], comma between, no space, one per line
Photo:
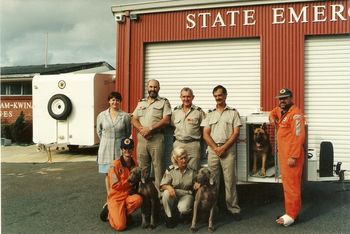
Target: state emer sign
[280,15]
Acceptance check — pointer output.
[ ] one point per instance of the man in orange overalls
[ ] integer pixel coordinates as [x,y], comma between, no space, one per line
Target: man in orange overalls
[290,143]
[121,204]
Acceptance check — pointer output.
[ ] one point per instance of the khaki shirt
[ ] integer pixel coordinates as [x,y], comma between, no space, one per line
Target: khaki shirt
[187,125]
[177,180]
[150,114]
[222,124]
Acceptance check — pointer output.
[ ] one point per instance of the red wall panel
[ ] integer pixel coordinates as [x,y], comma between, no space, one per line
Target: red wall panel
[282,45]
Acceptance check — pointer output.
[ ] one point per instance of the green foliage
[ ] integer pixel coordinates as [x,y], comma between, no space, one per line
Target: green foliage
[6,131]
[18,128]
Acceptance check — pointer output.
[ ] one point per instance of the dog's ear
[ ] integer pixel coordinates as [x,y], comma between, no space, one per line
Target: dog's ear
[263,126]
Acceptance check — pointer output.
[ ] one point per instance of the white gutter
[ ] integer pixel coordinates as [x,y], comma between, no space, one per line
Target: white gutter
[181,5]
[17,77]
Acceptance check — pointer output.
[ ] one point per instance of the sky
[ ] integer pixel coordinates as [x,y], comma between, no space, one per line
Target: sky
[78,31]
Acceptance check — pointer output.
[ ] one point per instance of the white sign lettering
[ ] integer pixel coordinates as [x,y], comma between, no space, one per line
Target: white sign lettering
[16,105]
[6,114]
[280,15]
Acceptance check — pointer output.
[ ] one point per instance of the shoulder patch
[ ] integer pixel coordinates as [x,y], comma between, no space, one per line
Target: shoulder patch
[114,178]
[197,108]
[177,107]
[170,168]
[298,117]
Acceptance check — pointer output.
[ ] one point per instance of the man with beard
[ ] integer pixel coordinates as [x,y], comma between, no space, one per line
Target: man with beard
[290,142]
[221,131]
[186,119]
[149,118]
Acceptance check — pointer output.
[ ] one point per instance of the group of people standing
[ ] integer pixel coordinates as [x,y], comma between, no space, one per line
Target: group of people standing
[219,128]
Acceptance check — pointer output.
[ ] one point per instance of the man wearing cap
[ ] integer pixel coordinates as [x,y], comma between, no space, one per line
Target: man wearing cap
[221,131]
[186,119]
[121,204]
[149,118]
[290,124]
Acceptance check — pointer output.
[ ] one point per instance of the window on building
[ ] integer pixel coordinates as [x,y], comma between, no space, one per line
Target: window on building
[9,89]
[3,89]
[27,89]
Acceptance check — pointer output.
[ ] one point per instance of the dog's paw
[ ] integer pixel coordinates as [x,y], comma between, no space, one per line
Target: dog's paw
[210,229]
[193,229]
[263,173]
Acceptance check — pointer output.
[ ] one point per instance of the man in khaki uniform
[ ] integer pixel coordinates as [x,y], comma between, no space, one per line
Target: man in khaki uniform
[221,130]
[150,116]
[186,119]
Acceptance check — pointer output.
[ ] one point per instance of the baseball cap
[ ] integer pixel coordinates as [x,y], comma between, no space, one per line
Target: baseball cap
[285,92]
[127,143]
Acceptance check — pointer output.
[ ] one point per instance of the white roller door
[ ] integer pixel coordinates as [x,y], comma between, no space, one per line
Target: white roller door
[327,94]
[202,65]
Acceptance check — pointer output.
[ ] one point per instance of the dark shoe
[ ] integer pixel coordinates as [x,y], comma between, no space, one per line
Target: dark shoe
[170,222]
[129,220]
[237,216]
[104,213]
[186,218]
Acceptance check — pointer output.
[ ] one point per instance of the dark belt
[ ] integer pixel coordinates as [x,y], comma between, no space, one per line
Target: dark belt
[187,141]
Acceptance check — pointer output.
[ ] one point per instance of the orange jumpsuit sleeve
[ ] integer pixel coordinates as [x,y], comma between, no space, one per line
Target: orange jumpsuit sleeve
[274,115]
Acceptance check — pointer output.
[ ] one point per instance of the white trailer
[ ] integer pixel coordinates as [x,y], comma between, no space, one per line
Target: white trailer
[65,107]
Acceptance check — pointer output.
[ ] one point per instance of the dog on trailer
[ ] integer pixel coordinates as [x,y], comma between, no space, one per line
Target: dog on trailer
[205,199]
[144,186]
[261,148]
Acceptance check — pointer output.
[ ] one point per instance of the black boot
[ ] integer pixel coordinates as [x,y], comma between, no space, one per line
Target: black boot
[186,218]
[104,213]
[129,221]
[170,222]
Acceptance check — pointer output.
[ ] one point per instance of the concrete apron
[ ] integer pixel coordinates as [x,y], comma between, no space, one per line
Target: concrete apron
[31,154]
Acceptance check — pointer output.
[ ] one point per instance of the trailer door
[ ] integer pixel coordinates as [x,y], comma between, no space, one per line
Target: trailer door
[327,94]
[201,65]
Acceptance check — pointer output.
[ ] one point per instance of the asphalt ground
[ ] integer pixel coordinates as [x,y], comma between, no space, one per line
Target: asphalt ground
[67,197]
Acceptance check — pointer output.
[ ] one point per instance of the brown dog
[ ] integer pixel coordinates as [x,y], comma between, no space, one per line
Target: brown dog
[261,148]
[150,207]
[205,199]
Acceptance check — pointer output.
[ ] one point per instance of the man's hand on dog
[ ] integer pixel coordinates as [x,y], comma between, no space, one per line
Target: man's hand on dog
[196,186]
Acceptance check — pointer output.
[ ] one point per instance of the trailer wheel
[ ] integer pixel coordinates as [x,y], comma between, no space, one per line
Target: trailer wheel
[59,106]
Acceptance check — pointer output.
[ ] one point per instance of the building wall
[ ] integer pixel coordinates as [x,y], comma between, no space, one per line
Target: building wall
[282,29]
[11,107]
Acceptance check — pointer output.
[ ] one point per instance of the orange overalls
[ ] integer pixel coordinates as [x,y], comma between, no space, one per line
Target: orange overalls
[290,143]
[120,203]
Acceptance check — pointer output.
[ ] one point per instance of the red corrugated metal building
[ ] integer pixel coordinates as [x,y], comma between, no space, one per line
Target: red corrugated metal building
[254,48]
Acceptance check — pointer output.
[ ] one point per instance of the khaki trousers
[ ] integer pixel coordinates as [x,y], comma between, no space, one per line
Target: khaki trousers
[183,199]
[227,163]
[151,153]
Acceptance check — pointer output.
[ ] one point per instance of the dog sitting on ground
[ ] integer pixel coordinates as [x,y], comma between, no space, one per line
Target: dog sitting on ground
[144,186]
[261,148]
[205,199]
